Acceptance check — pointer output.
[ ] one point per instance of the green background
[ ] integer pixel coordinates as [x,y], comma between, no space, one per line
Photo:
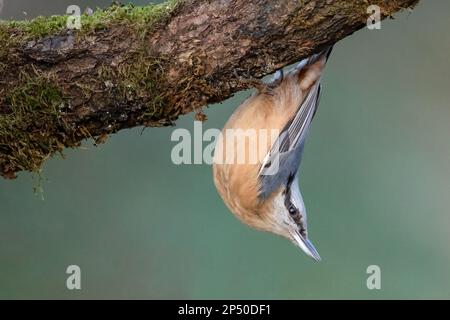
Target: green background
[376,182]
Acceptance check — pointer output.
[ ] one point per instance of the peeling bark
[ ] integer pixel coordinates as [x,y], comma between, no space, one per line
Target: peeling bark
[59,89]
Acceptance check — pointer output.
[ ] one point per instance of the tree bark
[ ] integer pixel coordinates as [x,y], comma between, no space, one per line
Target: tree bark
[59,86]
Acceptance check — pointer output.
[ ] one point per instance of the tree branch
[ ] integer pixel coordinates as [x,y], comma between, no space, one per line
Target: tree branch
[144,66]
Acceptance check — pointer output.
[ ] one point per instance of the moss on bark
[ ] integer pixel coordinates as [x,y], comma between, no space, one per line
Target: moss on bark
[33,125]
[144,66]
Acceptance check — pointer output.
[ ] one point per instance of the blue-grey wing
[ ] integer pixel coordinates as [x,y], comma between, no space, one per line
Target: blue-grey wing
[283,160]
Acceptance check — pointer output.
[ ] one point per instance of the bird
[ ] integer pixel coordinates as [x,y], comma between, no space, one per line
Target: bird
[265,194]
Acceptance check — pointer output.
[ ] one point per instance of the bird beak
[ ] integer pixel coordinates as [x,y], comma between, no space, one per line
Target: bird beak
[306,246]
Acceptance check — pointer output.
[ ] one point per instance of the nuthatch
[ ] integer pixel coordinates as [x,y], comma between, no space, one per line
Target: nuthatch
[266,194]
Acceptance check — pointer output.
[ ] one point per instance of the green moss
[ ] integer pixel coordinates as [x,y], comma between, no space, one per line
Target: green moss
[32,129]
[140,18]
[40,26]
[139,79]
[35,103]
[31,126]
[6,41]
[37,94]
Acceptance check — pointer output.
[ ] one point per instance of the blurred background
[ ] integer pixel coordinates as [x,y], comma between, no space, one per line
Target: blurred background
[376,182]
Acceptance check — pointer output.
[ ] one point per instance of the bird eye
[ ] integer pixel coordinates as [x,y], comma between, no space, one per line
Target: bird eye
[292,209]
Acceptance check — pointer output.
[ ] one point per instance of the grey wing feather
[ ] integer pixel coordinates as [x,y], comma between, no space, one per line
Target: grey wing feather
[284,158]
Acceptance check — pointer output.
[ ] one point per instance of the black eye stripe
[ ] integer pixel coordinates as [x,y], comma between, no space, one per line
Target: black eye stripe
[287,201]
[293,211]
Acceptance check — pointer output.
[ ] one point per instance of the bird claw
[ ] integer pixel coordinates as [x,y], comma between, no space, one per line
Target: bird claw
[278,77]
[259,85]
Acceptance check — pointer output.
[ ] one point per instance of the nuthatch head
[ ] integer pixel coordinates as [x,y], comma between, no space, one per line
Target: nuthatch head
[265,194]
